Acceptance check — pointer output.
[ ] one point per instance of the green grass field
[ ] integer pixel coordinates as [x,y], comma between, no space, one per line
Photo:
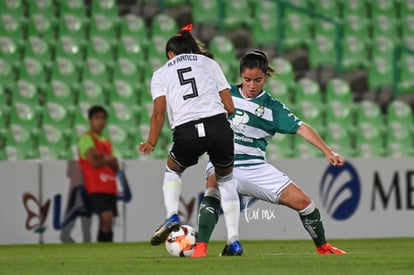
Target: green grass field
[368,256]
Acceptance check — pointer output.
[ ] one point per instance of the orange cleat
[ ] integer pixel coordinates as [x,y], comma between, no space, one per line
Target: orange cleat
[327,248]
[200,250]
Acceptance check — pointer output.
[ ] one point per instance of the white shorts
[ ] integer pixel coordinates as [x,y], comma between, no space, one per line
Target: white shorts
[264,181]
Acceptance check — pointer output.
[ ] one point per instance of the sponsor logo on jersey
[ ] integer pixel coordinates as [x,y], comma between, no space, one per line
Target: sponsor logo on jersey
[340,191]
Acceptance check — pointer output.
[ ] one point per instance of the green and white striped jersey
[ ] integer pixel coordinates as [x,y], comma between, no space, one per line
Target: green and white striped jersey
[255,121]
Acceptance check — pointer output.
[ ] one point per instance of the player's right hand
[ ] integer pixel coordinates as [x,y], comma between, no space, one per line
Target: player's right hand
[145,148]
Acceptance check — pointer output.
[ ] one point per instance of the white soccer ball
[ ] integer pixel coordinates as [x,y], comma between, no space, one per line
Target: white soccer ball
[181,243]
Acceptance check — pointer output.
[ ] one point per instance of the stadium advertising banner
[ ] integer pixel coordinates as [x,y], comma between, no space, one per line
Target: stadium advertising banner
[367,198]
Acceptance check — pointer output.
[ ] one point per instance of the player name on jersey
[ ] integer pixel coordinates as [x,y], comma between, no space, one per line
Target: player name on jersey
[182,57]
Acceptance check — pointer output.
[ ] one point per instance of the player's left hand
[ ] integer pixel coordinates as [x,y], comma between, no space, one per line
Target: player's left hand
[335,159]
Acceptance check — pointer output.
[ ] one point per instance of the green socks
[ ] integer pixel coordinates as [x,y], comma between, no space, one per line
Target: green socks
[207,218]
[313,224]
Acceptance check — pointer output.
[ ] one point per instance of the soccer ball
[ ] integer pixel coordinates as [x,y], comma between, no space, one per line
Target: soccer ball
[181,243]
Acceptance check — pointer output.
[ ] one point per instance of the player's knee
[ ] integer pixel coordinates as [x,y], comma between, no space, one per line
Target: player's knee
[224,179]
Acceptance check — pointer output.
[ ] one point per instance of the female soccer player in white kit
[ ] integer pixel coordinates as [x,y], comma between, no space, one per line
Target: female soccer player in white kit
[258,117]
[192,88]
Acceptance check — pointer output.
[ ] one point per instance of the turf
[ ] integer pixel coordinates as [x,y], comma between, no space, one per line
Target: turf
[367,256]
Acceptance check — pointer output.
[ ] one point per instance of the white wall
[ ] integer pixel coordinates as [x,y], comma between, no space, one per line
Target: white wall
[376,196]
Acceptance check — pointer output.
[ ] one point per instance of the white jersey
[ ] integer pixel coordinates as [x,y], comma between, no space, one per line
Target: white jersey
[191,84]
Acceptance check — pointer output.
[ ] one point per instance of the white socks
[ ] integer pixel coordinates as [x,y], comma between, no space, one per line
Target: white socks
[231,206]
[172,190]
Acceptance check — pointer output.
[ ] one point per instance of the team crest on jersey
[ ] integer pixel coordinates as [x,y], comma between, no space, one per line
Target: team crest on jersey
[259,111]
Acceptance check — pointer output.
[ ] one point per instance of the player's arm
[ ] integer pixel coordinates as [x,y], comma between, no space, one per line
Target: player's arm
[157,121]
[311,136]
[97,159]
[227,101]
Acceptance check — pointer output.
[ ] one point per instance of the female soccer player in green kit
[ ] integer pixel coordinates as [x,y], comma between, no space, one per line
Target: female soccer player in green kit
[258,117]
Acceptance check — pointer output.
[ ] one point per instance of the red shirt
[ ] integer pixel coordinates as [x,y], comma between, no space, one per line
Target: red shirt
[98,179]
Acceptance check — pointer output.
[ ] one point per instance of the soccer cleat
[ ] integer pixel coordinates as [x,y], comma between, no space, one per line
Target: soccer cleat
[171,224]
[233,249]
[200,250]
[327,248]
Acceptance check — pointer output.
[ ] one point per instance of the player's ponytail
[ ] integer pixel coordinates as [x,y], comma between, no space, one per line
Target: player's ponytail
[256,59]
[184,42]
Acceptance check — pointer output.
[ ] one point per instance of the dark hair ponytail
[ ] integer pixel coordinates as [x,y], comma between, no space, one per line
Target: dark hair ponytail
[256,59]
[185,42]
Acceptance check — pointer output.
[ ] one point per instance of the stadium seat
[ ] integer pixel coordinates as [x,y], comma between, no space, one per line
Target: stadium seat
[76,7]
[324,29]
[398,111]
[237,14]
[280,147]
[279,90]
[338,89]
[369,141]
[399,141]
[340,140]
[123,116]
[65,70]
[101,25]
[99,47]
[91,92]
[205,12]
[39,49]
[297,31]
[95,70]
[322,52]
[305,150]
[44,7]
[313,114]
[51,143]
[284,70]
[25,92]
[406,8]
[121,143]
[125,87]
[357,26]
[163,25]
[368,111]
[382,8]
[12,27]
[407,26]
[156,48]
[31,70]
[14,8]
[131,48]
[10,51]
[354,54]
[80,121]
[264,30]
[24,115]
[73,25]
[383,25]
[107,8]
[7,75]
[406,83]
[70,48]
[355,8]
[308,90]
[42,26]
[56,115]
[133,25]
[380,73]
[326,7]
[341,114]
[59,92]
[19,144]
